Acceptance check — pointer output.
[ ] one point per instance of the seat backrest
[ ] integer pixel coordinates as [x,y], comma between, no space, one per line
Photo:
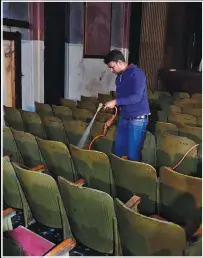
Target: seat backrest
[75,130]
[171,148]
[162,116]
[180,95]
[192,132]
[106,143]
[97,128]
[188,103]
[180,198]
[140,179]
[11,248]
[144,236]
[181,119]
[174,109]
[63,112]
[94,167]
[43,196]
[58,159]
[82,114]
[104,97]
[163,94]
[196,96]
[43,109]
[67,102]
[91,215]
[103,117]
[87,105]
[5,122]
[89,99]
[54,129]
[192,111]
[13,194]
[33,124]
[195,249]
[9,146]
[13,118]
[28,148]
[148,152]
[164,103]
[162,128]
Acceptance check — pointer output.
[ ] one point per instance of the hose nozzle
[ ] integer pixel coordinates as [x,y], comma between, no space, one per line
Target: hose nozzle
[99,107]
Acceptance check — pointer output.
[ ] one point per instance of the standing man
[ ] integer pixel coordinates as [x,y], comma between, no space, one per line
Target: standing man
[133,105]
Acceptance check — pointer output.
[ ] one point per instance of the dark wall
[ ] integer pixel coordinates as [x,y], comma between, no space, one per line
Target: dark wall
[75,22]
[17,11]
[174,37]
[183,21]
[54,51]
[194,34]
[135,30]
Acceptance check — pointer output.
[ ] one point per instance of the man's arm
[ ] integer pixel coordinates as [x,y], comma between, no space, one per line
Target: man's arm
[137,84]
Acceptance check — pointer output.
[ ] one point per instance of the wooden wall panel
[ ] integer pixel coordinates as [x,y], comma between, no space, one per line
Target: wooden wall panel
[152,40]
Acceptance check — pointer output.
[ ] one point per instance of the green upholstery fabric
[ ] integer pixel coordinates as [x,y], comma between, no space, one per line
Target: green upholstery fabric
[91,215]
[33,124]
[43,196]
[144,236]
[94,167]
[181,199]
[28,148]
[58,159]
[135,178]
[171,148]
[13,118]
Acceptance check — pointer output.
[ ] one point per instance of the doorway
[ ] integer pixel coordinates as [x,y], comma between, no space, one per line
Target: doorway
[12,69]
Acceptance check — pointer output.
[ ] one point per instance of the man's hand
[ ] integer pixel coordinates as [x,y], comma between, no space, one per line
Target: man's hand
[110,104]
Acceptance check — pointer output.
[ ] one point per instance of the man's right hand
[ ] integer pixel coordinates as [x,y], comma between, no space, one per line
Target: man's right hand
[110,104]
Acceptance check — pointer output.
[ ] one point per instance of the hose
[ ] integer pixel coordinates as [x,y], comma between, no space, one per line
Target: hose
[107,124]
[181,160]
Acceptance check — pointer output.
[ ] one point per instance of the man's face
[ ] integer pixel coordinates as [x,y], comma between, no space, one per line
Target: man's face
[115,67]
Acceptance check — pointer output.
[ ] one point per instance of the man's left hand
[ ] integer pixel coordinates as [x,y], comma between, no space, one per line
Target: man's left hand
[110,104]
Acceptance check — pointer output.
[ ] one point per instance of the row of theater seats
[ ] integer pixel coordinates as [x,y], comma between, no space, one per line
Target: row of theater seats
[62,127]
[163,150]
[163,104]
[97,213]
[175,95]
[28,121]
[180,114]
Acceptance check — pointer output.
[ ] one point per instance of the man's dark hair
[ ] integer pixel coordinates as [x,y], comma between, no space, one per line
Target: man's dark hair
[114,55]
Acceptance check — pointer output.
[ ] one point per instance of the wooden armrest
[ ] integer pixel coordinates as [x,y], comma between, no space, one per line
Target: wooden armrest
[37,168]
[133,202]
[80,182]
[191,230]
[198,233]
[66,246]
[9,211]
[7,219]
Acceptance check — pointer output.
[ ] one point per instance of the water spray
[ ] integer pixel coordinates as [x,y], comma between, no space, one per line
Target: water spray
[86,134]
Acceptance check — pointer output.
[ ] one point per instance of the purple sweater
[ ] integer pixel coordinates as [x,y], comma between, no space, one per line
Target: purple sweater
[131,92]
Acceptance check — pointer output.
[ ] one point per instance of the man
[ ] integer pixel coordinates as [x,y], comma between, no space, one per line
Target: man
[133,105]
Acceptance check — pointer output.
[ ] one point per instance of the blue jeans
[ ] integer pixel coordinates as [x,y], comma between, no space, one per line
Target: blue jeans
[130,135]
